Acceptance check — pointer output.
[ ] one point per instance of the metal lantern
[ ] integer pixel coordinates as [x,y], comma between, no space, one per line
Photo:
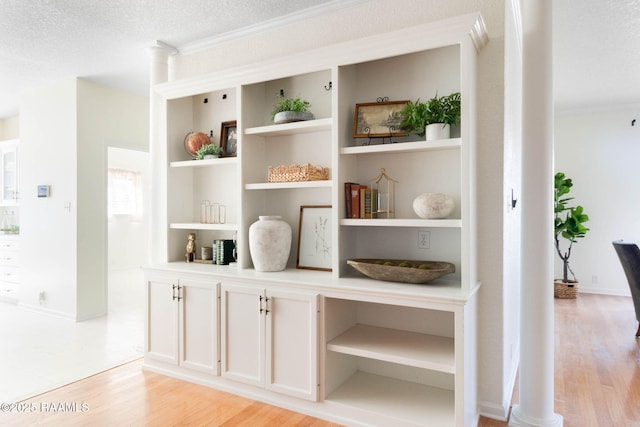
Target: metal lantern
[385,187]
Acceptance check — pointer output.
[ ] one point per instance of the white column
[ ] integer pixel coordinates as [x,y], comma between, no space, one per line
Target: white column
[536,389]
[158,64]
[158,73]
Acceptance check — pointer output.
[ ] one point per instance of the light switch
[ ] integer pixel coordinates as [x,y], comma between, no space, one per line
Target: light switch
[43,191]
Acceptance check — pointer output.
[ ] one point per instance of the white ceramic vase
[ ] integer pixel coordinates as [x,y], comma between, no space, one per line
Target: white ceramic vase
[433,205]
[270,243]
[436,131]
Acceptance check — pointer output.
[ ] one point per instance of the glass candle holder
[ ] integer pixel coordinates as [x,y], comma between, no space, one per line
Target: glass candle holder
[204,211]
[222,217]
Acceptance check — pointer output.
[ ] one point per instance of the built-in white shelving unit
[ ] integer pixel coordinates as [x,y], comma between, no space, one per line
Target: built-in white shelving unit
[388,353]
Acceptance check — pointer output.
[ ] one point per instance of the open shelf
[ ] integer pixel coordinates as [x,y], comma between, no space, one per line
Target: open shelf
[402,347]
[411,402]
[293,128]
[286,185]
[404,147]
[201,226]
[204,162]
[398,222]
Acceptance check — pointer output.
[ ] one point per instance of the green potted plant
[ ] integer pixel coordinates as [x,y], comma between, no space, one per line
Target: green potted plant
[208,151]
[291,110]
[433,118]
[569,227]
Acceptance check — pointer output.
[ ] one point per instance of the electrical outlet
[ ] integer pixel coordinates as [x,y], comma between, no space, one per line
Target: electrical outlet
[424,239]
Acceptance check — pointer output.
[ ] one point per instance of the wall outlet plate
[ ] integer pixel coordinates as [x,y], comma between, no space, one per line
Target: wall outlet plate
[424,239]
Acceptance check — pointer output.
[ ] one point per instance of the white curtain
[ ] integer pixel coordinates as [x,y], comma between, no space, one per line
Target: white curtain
[125,193]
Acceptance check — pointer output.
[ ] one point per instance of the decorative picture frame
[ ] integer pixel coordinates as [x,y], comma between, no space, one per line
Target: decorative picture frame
[314,238]
[229,138]
[378,119]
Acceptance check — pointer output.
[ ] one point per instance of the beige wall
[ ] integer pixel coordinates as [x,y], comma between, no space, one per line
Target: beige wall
[10,128]
[65,131]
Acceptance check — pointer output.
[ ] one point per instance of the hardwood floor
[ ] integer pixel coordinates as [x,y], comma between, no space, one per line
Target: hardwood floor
[128,396]
[597,363]
[597,383]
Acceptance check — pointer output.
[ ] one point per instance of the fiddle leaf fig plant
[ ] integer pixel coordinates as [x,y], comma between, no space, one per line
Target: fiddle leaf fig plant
[569,222]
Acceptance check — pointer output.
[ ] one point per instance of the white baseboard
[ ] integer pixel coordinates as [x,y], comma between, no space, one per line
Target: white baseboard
[502,411]
[494,411]
[48,311]
[591,290]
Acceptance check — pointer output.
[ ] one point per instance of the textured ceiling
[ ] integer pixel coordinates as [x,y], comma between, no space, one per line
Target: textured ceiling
[596,53]
[106,41]
[596,48]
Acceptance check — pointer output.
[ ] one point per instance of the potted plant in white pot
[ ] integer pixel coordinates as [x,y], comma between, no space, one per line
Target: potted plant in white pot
[209,151]
[433,118]
[568,228]
[291,110]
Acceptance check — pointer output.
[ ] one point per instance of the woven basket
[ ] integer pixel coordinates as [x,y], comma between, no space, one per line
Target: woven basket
[565,290]
[295,173]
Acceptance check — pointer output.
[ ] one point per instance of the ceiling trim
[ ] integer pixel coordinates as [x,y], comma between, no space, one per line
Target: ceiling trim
[311,12]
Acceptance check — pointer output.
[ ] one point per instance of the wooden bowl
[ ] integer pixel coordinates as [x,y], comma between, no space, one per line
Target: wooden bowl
[399,270]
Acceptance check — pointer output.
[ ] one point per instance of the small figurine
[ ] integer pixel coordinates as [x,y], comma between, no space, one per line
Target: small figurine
[191,248]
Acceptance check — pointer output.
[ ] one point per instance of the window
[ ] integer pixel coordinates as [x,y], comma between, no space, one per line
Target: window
[125,193]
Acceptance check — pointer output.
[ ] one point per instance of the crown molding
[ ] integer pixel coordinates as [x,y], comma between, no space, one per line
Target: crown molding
[311,12]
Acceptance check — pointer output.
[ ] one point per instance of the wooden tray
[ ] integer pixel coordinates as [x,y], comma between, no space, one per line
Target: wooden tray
[405,271]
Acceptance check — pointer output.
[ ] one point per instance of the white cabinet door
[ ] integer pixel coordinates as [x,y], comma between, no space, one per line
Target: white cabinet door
[162,320]
[199,326]
[242,330]
[269,339]
[182,322]
[292,343]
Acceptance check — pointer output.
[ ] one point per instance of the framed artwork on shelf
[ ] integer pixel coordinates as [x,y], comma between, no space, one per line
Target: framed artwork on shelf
[314,238]
[229,138]
[378,119]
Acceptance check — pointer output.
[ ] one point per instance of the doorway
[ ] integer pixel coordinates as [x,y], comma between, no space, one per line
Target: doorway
[128,219]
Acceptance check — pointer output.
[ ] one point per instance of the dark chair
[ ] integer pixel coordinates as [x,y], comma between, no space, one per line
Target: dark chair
[629,255]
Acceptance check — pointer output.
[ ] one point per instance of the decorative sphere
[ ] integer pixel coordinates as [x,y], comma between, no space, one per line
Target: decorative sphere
[196,140]
[433,205]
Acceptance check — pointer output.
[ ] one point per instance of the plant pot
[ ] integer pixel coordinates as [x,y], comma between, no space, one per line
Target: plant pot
[292,116]
[437,131]
[568,290]
[211,156]
[270,243]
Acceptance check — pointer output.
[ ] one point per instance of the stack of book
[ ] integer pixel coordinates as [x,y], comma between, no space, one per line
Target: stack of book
[361,201]
[223,251]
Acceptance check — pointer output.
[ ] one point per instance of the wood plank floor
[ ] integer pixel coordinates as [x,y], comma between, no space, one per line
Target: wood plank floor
[597,383]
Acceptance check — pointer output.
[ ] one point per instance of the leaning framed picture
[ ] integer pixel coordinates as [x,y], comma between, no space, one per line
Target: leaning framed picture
[314,238]
[378,119]
[229,138]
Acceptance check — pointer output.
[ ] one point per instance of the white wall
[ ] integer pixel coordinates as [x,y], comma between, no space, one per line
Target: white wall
[65,129]
[10,128]
[375,17]
[599,151]
[48,134]
[496,400]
